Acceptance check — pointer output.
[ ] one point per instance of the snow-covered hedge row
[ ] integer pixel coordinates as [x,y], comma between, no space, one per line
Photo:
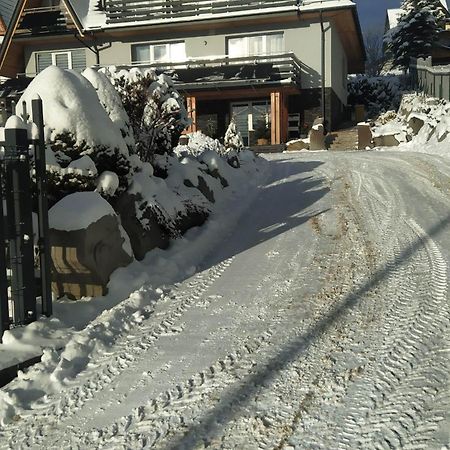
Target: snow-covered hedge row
[377,94]
[94,145]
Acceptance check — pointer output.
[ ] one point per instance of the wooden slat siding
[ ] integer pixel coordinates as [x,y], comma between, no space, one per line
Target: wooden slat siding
[131,10]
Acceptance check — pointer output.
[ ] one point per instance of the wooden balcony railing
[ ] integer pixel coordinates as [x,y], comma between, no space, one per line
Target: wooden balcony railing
[123,11]
[226,71]
[42,20]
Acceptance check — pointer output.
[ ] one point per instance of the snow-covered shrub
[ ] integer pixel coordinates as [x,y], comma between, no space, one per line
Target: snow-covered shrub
[76,125]
[197,144]
[112,103]
[155,108]
[377,94]
[233,139]
[233,144]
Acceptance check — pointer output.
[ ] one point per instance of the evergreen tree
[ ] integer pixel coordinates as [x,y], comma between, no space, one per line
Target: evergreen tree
[418,28]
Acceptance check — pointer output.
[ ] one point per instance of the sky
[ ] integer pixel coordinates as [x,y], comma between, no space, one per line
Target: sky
[372,13]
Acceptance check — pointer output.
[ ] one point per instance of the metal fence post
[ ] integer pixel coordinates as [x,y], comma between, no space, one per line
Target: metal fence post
[4,310]
[41,182]
[20,223]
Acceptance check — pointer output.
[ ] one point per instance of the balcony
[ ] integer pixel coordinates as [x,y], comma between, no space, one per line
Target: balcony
[51,19]
[229,72]
[125,11]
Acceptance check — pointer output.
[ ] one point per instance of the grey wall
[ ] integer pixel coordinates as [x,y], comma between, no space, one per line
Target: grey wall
[303,38]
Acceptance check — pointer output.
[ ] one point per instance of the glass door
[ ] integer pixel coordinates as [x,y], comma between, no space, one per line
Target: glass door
[252,120]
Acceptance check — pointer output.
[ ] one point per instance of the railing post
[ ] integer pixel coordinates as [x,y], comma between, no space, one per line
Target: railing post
[41,182]
[4,310]
[20,221]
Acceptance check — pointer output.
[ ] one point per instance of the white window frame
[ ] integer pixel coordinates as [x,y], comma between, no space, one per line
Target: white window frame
[152,45]
[247,38]
[69,58]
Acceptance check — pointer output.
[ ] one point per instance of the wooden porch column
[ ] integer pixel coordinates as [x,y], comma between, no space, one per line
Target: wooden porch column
[191,104]
[278,117]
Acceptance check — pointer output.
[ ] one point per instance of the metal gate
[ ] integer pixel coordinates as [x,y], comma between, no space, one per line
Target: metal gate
[21,151]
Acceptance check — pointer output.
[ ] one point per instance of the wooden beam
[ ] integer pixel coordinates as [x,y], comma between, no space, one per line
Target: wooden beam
[192,113]
[240,94]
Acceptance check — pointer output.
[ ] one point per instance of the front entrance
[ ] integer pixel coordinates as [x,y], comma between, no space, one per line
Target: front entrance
[252,120]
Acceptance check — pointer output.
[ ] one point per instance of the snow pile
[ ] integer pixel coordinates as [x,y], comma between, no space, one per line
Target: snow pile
[112,103]
[84,330]
[422,125]
[83,139]
[65,215]
[377,94]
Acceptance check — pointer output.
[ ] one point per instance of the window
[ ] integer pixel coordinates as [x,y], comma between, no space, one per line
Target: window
[164,52]
[264,44]
[73,59]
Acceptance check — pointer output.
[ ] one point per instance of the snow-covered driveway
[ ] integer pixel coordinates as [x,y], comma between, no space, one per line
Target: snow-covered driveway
[321,322]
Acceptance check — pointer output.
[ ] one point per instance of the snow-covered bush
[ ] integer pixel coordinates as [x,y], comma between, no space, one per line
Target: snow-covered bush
[377,94]
[197,144]
[233,139]
[76,126]
[155,108]
[112,103]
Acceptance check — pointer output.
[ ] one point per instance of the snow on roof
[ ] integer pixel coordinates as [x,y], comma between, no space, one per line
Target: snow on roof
[393,15]
[92,17]
[313,5]
[89,13]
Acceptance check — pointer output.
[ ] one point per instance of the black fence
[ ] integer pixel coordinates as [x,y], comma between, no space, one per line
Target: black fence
[24,261]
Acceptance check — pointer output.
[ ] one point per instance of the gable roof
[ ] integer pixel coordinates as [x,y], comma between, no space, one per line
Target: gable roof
[14,20]
[7,10]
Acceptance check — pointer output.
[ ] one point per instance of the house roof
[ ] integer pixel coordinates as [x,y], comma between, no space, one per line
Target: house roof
[93,17]
[392,17]
[7,10]
[14,20]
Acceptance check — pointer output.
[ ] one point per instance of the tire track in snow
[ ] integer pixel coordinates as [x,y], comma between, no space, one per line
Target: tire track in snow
[125,354]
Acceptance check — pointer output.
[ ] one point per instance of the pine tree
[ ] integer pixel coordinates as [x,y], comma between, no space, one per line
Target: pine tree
[418,28]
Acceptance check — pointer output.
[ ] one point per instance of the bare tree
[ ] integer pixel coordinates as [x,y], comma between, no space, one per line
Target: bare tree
[373,39]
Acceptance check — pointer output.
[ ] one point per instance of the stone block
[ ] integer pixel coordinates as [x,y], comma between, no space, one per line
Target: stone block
[317,138]
[416,124]
[364,136]
[388,140]
[83,260]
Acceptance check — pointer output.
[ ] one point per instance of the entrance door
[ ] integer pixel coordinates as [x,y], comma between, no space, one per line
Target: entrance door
[248,115]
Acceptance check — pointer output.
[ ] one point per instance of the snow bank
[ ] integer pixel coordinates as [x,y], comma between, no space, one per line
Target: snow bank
[422,125]
[71,106]
[88,328]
